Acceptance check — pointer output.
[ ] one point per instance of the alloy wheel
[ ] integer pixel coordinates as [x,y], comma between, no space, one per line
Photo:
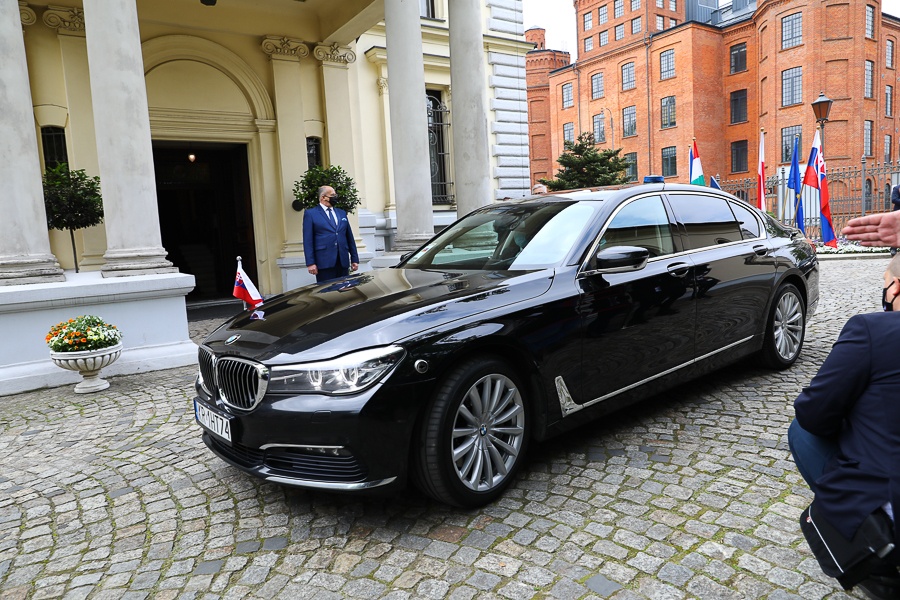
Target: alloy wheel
[788,326]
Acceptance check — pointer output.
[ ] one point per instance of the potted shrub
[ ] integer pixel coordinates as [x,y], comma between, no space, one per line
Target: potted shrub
[72,200]
[85,344]
[315,177]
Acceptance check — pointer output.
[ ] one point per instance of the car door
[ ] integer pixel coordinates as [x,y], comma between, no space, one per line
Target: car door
[734,270]
[638,325]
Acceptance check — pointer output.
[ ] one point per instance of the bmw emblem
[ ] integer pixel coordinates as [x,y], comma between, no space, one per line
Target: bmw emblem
[483,430]
[232,339]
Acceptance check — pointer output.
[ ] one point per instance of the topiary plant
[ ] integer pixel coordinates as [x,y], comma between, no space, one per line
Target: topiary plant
[305,189]
[72,200]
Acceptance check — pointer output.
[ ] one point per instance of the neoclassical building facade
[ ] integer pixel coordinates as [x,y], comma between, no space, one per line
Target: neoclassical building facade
[199,117]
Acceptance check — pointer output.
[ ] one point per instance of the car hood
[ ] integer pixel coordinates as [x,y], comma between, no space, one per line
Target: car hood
[369,309]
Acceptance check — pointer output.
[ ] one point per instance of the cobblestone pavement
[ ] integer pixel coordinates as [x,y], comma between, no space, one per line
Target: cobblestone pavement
[689,495]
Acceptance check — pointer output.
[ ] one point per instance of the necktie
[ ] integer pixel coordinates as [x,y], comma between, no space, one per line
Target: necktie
[332,217]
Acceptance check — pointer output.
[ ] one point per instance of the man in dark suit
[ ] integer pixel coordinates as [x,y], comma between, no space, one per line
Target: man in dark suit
[846,436]
[328,242]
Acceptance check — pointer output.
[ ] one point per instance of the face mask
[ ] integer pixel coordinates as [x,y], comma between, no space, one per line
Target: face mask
[887,306]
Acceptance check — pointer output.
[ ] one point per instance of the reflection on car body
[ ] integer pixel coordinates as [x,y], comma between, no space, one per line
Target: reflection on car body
[518,322]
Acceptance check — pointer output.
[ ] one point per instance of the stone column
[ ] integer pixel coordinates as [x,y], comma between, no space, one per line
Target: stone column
[82,147]
[284,56]
[471,155]
[409,125]
[341,129]
[24,245]
[124,150]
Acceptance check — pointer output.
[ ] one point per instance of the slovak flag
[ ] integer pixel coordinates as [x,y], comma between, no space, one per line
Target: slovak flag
[244,288]
[816,177]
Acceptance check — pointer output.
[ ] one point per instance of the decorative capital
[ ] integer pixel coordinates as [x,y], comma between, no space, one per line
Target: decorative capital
[284,47]
[63,18]
[382,86]
[26,14]
[334,53]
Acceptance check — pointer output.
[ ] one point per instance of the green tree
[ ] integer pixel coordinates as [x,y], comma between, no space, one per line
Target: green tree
[315,177]
[584,166]
[72,200]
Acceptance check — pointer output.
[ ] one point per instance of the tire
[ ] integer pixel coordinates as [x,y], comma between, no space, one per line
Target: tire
[785,328]
[473,435]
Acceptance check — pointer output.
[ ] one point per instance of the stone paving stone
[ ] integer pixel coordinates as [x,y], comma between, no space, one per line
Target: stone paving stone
[691,495]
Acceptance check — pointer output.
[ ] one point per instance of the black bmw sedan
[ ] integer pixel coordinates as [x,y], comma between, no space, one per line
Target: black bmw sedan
[518,322]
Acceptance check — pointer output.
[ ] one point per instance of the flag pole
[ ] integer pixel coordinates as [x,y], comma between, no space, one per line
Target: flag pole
[243,302]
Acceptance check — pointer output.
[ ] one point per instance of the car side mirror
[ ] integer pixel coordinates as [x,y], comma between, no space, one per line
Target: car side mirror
[621,259]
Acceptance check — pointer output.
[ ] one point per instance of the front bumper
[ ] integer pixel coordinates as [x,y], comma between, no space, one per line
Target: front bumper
[345,444]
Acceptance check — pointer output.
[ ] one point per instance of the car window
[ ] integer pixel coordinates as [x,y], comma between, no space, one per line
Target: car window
[707,220]
[643,223]
[747,221]
[527,235]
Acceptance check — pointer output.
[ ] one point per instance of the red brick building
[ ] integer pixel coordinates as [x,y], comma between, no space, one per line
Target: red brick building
[653,74]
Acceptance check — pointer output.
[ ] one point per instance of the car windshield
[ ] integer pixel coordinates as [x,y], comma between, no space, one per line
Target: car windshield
[531,235]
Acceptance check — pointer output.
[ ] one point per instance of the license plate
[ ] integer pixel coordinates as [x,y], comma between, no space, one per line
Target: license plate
[212,422]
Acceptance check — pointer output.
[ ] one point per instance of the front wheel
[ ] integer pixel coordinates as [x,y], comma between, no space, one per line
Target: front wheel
[473,436]
[785,328]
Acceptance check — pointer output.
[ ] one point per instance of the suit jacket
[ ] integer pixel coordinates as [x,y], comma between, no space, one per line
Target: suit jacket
[324,244]
[855,398]
[895,197]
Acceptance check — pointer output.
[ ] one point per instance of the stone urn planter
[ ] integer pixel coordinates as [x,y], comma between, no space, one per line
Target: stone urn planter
[88,363]
[85,344]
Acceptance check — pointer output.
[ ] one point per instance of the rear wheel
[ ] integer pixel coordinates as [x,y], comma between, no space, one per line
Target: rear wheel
[785,328]
[473,436]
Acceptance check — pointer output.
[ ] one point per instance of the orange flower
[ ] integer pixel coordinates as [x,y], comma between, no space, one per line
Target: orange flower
[83,340]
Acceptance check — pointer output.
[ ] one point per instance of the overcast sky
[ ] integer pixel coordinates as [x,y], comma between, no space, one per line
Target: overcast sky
[558,18]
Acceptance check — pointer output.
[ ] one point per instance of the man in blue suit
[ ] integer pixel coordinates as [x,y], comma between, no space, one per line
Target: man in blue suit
[846,436]
[328,242]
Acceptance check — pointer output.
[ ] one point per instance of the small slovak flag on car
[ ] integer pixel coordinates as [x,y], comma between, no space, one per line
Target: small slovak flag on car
[244,288]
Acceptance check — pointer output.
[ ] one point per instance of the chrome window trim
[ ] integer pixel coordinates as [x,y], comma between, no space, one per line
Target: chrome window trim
[568,405]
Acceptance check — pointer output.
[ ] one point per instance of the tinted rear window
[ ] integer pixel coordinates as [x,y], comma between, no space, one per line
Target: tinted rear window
[707,220]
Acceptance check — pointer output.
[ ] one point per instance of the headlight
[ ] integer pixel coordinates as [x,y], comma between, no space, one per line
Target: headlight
[347,374]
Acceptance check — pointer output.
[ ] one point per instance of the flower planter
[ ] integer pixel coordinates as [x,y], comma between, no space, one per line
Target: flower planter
[88,363]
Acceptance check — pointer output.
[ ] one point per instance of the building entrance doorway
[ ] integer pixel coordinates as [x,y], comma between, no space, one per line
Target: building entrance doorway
[205,214]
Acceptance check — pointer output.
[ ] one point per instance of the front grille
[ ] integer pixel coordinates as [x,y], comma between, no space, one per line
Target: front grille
[242,455]
[305,465]
[207,360]
[241,383]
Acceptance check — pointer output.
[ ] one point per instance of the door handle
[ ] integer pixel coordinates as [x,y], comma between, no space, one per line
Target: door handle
[760,250]
[678,269]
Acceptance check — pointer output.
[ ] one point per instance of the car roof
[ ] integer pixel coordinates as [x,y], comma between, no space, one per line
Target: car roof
[614,192]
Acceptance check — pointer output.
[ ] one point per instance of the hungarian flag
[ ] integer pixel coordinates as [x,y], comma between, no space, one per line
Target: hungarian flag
[815,177]
[244,288]
[696,173]
[761,174]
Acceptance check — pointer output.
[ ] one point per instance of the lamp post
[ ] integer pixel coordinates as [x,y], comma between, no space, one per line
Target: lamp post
[821,108]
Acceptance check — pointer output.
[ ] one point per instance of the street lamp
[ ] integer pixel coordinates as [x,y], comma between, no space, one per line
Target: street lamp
[821,108]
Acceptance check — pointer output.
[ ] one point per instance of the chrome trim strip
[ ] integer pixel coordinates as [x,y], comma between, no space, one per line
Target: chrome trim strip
[568,406]
[267,446]
[327,485]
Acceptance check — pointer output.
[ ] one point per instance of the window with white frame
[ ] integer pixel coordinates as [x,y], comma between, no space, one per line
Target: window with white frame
[660,3]
[870,21]
[867,137]
[567,101]
[599,128]
[673,5]
[889,100]
[604,37]
[673,22]
[603,14]
[792,86]
[870,78]
[667,111]
[588,20]
[620,31]
[588,44]
[636,25]
[628,81]
[635,4]
[660,23]
[629,121]
[791,31]
[888,145]
[597,90]
[618,8]
[667,64]
[569,132]
[669,161]
[889,54]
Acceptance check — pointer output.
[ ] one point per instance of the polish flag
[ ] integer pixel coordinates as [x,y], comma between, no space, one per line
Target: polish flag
[761,174]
